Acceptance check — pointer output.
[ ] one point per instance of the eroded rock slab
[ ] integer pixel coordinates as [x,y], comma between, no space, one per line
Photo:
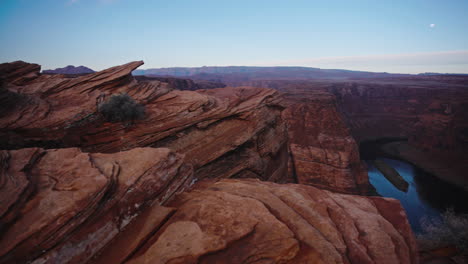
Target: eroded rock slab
[323,152]
[249,221]
[63,205]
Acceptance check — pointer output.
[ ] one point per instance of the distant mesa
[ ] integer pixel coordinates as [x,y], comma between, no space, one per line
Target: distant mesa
[212,73]
[70,69]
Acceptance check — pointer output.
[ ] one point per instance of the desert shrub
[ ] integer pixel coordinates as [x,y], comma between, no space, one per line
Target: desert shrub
[121,108]
[452,230]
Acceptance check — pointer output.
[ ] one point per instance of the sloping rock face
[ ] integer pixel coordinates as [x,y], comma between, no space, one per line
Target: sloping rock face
[229,132]
[248,221]
[323,152]
[18,72]
[64,206]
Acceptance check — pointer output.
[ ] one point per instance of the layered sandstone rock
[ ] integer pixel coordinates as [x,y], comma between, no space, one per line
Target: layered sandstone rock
[110,201]
[432,115]
[229,132]
[323,153]
[248,221]
[431,112]
[18,72]
[64,206]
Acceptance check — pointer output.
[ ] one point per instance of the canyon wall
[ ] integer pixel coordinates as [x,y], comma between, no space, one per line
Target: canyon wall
[323,152]
[432,115]
[430,112]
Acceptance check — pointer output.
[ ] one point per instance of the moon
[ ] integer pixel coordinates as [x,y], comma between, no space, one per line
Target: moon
[432,25]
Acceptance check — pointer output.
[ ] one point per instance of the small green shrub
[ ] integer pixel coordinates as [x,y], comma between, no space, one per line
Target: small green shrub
[121,108]
[452,230]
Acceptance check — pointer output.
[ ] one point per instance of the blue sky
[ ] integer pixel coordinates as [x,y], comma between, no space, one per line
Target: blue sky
[392,36]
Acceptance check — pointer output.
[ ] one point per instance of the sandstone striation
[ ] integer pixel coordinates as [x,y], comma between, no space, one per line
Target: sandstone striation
[248,221]
[229,132]
[430,112]
[75,207]
[64,206]
[323,152]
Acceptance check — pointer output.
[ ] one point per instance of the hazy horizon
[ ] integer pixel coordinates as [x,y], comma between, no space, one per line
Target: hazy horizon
[395,37]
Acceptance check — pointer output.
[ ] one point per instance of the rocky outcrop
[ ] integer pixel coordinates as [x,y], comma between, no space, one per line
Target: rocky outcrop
[323,152]
[18,72]
[64,206]
[229,132]
[248,221]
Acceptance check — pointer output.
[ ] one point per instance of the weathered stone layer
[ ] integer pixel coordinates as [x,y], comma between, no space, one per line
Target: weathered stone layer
[229,132]
[248,221]
[63,206]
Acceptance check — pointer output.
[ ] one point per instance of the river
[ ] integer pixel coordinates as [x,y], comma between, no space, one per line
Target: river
[427,196]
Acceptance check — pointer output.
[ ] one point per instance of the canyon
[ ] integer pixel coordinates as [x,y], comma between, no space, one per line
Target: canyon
[219,170]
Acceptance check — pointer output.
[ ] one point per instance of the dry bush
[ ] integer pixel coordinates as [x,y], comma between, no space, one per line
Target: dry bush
[121,108]
[452,230]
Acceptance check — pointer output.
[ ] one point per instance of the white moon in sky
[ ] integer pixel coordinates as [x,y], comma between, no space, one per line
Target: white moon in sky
[432,25]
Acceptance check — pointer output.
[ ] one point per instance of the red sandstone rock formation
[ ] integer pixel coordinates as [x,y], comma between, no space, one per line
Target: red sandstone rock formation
[431,111]
[248,221]
[18,72]
[323,153]
[69,206]
[64,206]
[229,132]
